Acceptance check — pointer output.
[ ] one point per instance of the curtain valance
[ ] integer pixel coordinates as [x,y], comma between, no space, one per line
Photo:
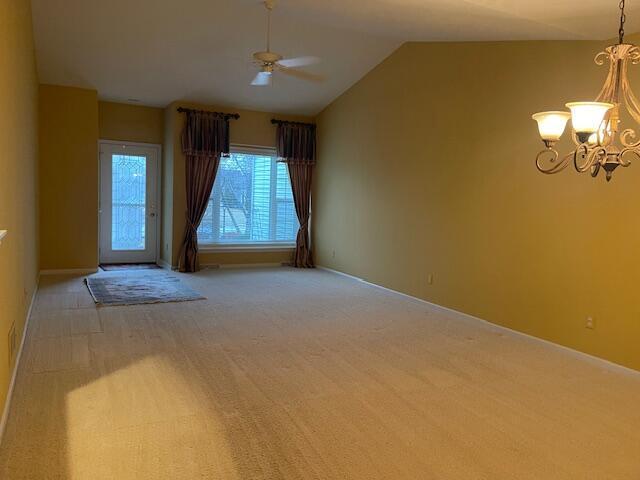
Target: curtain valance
[296,142]
[205,134]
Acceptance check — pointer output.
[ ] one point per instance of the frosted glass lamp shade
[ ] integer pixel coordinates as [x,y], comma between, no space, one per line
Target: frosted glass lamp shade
[551,124]
[587,117]
[602,136]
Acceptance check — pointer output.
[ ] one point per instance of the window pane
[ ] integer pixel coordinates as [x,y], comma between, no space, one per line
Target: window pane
[129,179]
[261,206]
[251,202]
[287,222]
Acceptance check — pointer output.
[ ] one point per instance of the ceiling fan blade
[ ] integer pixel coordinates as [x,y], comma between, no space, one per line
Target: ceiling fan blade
[301,74]
[262,79]
[298,62]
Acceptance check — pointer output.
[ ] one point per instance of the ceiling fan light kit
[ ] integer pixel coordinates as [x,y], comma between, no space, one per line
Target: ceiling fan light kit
[595,125]
[270,62]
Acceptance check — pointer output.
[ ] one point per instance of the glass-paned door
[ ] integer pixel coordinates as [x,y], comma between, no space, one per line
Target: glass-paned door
[128,203]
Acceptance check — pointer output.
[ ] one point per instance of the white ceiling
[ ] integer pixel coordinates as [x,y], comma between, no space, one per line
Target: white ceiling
[158,51]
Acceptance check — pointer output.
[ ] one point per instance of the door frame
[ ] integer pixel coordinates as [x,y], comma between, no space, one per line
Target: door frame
[158,148]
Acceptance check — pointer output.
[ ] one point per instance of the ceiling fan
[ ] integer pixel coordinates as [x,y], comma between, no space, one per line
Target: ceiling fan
[269,62]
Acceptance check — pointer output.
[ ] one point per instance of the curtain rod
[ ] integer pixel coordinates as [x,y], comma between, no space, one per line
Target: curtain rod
[226,115]
[286,122]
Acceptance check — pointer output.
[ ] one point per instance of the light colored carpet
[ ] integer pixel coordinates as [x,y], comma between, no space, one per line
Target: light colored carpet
[135,287]
[286,374]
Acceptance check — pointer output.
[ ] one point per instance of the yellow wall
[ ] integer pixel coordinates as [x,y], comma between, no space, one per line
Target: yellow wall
[130,123]
[71,123]
[18,176]
[166,243]
[74,121]
[69,172]
[426,166]
[252,128]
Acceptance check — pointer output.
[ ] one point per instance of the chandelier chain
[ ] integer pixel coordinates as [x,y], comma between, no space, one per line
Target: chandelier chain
[623,18]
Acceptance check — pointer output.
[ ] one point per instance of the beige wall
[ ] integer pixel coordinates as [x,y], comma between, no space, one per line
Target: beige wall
[252,128]
[69,172]
[130,123]
[18,176]
[426,166]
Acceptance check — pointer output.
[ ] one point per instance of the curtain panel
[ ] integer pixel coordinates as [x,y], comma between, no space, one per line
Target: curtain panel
[205,139]
[296,146]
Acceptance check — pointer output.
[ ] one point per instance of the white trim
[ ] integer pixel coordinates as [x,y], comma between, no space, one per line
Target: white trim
[207,266]
[14,374]
[164,264]
[128,143]
[250,247]
[167,266]
[243,265]
[253,150]
[69,271]
[465,316]
[272,246]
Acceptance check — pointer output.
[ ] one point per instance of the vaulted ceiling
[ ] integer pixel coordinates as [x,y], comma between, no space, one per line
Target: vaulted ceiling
[157,51]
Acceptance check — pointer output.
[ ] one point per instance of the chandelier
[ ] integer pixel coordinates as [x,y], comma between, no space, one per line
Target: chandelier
[596,124]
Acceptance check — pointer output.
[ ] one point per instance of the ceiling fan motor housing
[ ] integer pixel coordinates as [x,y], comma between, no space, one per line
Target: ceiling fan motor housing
[267,57]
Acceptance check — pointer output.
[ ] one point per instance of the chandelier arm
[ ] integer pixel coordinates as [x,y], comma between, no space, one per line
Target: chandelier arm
[631,102]
[606,135]
[626,152]
[551,156]
[574,139]
[594,156]
[600,57]
[634,55]
[607,92]
[627,138]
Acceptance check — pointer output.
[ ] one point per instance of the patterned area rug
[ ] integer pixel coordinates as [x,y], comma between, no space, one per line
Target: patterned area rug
[134,288]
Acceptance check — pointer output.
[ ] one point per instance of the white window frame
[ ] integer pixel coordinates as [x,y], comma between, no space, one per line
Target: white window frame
[249,247]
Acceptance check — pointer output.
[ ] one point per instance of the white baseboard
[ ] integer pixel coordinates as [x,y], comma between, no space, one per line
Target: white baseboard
[465,316]
[164,264]
[207,266]
[69,271]
[16,364]
[243,265]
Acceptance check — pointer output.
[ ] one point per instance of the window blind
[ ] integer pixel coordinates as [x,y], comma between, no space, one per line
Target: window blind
[251,201]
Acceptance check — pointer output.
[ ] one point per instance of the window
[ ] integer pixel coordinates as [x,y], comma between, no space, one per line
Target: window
[128,208]
[251,202]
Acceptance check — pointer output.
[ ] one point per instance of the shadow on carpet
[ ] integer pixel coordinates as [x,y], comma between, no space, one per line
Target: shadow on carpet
[135,288]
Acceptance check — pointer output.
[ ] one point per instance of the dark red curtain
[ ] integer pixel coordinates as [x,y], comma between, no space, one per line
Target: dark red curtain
[296,146]
[205,139]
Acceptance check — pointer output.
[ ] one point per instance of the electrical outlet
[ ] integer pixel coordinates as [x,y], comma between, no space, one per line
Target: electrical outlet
[590,323]
[12,342]
[430,279]
[333,254]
